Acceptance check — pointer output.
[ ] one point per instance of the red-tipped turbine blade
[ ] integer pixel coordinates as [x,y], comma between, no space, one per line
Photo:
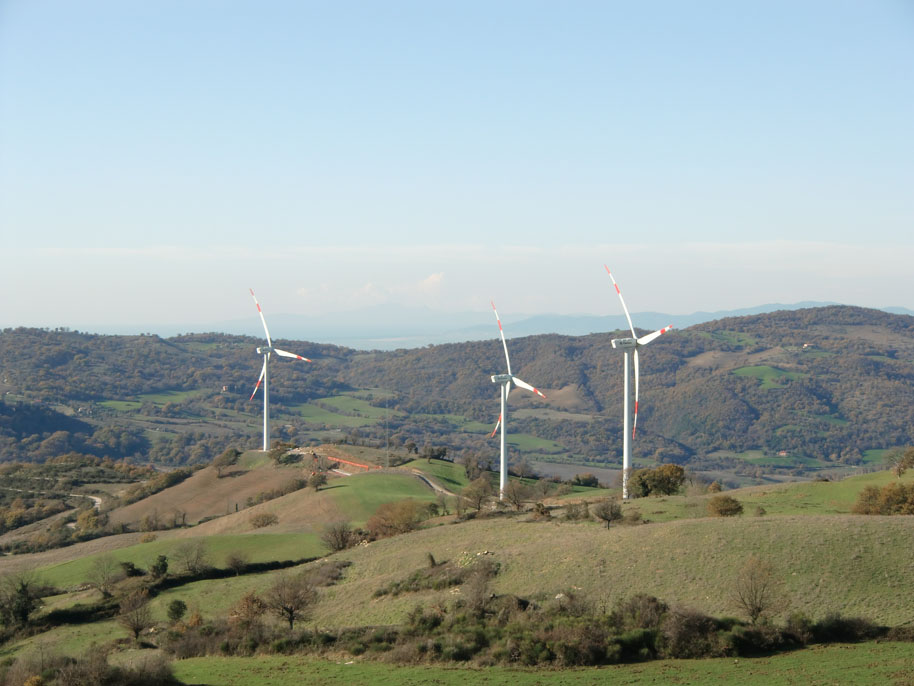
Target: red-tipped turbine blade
[497,424]
[502,332]
[622,300]
[524,384]
[647,338]
[286,353]
[635,422]
[262,372]
[260,312]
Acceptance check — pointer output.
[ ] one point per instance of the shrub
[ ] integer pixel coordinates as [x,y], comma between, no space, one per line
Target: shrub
[159,568]
[753,640]
[724,506]
[834,628]
[798,628]
[640,611]
[586,479]
[891,499]
[576,512]
[262,519]
[237,561]
[391,519]
[637,644]
[688,633]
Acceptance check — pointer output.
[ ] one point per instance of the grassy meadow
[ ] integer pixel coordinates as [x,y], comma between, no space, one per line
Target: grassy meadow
[868,664]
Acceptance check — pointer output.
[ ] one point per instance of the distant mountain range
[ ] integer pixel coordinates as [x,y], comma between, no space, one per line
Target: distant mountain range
[389,327]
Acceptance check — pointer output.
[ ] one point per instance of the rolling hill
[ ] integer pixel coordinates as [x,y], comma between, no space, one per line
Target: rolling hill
[789,391]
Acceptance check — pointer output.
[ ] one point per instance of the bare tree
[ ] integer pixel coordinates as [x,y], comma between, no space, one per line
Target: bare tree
[758,590]
[291,597]
[104,573]
[191,556]
[477,492]
[135,615]
[517,493]
[337,535]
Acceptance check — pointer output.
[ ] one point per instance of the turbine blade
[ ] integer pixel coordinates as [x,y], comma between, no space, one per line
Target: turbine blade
[635,422]
[285,353]
[260,312]
[647,338]
[497,424]
[262,372]
[502,332]
[524,384]
[622,300]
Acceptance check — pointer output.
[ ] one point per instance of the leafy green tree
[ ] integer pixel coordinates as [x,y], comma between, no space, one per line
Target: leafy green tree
[228,458]
[19,598]
[317,480]
[159,568]
[176,610]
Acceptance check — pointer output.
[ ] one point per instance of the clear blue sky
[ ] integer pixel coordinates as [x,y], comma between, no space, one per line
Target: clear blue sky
[158,158]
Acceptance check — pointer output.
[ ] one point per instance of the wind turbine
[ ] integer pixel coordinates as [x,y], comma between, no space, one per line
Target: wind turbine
[506,380]
[630,347]
[265,373]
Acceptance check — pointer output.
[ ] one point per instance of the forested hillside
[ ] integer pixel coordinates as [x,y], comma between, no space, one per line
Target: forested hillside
[823,386]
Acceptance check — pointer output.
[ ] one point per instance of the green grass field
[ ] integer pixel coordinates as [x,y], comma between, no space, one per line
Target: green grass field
[122,405]
[449,475]
[359,496]
[258,548]
[807,497]
[318,415]
[867,664]
[350,402]
[769,376]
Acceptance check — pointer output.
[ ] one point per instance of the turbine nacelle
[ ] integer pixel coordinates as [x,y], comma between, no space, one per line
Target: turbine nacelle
[263,350]
[502,378]
[625,343]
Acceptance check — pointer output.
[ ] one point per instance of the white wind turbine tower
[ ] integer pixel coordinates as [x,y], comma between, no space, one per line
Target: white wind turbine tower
[506,380]
[265,373]
[630,347]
